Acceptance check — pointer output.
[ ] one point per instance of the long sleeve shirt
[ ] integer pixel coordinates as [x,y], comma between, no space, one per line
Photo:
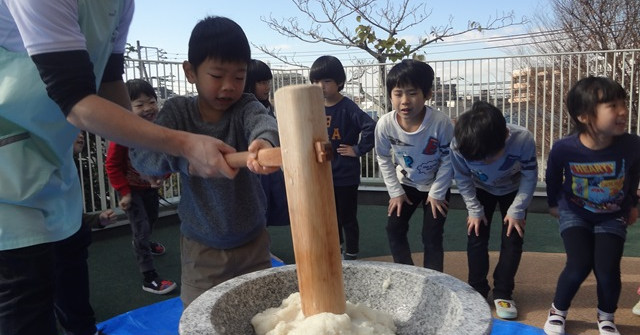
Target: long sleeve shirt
[219,212]
[418,159]
[594,184]
[348,124]
[122,176]
[515,170]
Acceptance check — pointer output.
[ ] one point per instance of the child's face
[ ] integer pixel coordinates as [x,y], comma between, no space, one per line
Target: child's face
[263,88]
[78,144]
[408,102]
[219,84]
[330,89]
[611,118]
[145,107]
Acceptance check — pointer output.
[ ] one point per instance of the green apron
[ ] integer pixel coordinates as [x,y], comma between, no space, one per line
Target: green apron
[40,194]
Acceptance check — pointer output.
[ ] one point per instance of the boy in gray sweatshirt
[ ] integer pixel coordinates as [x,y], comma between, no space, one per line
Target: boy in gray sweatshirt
[494,163]
[223,222]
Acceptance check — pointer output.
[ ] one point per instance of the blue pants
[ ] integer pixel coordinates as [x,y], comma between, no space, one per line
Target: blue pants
[432,232]
[478,250]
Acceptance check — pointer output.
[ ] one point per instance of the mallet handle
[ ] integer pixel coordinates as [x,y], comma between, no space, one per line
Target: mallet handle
[266,157]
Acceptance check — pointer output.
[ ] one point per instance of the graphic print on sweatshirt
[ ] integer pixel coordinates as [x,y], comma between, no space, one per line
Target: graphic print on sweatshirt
[426,162]
[596,187]
[507,171]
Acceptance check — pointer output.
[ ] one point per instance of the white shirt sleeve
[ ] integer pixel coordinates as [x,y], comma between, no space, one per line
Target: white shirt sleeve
[123,27]
[385,161]
[47,25]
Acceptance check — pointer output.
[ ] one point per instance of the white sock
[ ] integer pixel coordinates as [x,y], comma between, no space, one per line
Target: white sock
[559,312]
[605,316]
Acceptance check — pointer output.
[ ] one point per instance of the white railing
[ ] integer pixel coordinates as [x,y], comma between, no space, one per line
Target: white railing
[529,89]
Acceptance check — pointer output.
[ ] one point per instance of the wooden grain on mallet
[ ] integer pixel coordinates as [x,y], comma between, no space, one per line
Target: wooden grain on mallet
[309,185]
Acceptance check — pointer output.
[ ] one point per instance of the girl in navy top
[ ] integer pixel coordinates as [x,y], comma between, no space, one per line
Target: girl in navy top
[592,176]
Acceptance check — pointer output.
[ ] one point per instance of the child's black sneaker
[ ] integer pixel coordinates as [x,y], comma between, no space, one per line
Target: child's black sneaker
[157,249]
[350,257]
[158,286]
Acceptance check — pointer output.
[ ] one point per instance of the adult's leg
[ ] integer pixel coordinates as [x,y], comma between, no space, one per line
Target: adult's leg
[347,200]
[26,291]
[432,234]
[510,254]
[398,226]
[72,305]
[607,255]
[579,245]
[478,246]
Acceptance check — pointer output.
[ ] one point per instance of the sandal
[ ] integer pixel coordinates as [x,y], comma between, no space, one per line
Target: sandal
[607,327]
[554,324]
[506,309]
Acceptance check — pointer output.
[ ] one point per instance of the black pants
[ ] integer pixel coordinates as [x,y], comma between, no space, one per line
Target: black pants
[27,290]
[72,305]
[143,214]
[347,211]
[478,250]
[40,282]
[587,251]
[432,231]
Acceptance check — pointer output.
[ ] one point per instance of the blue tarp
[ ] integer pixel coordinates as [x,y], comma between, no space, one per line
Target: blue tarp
[162,318]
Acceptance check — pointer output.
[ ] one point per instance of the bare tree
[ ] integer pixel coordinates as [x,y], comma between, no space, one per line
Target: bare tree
[370,25]
[582,25]
[570,27]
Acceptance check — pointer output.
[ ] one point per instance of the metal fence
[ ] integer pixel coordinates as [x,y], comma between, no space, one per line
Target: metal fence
[529,89]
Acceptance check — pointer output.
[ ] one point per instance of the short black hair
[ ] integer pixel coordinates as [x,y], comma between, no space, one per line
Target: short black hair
[137,87]
[328,67]
[256,71]
[219,38]
[587,93]
[480,132]
[411,72]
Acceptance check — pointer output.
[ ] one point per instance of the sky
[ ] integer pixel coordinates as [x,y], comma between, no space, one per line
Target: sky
[167,24]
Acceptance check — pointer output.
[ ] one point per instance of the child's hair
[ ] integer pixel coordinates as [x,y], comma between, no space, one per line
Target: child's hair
[587,93]
[328,67]
[218,38]
[411,72]
[137,87]
[481,132]
[256,71]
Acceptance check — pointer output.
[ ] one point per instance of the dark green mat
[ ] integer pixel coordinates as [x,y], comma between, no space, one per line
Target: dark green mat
[116,283]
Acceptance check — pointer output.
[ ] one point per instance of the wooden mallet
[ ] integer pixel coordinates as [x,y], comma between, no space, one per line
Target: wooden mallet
[305,155]
[312,209]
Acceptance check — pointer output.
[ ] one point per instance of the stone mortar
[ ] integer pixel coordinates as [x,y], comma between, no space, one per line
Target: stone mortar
[421,301]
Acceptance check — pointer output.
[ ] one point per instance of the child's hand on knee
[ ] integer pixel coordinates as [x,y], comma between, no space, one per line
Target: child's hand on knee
[473,224]
[517,224]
